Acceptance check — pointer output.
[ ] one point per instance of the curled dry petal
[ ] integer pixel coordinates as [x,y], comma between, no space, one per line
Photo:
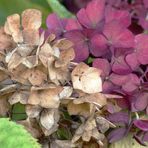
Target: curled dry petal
[86,78]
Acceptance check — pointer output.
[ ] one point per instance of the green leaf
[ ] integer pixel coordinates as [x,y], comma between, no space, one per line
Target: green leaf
[59,9]
[13,135]
[18,112]
[90,60]
[64,134]
[17,6]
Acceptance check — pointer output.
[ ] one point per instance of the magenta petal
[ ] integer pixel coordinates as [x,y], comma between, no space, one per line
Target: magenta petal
[80,46]
[145,137]
[132,83]
[103,65]
[145,3]
[119,79]
[141,124]
[117,134]
[118,35]
[132,61]
[92,15]
[73,24]
[55,24]
[98,45]
[119,118]
[122,16]
[108,87]
[83,18]
[142,48]
[95,11]
[120,66]
[141,102]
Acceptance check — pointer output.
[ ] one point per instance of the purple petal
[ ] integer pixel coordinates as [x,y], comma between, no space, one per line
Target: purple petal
[132,61]
[120,66]
[55,24]
[73,24]
[116,134]
[108,87]
[80,46]
[141,124]
[92,15]
[145,137]
[132,83]
[102,64]
[142,48]
[119,118]
[119,79]
[141,101]
[98,46]
[122,16]
[118,35]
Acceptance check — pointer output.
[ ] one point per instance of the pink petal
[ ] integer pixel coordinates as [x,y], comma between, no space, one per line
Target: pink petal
[122,16]
[92,15]
[95,11]
[119,79]
[98,45]
[141,102]
[103,65]
[73,24]
[141,46]
[120,66]
[132,61]
[132,83]
[118,35]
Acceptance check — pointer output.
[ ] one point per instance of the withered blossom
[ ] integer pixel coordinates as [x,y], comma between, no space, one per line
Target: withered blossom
[40,74]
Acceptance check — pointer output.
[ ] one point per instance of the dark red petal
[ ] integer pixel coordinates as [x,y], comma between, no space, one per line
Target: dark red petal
[118,35]
[98,46]
[119,118]
[102,64]
[141,101]
[141,124]
[116,134]
[132,61]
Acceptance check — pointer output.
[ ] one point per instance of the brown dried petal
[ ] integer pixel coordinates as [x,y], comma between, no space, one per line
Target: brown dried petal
[63,44]
[79,109]
[33,111]
[86,78]
[21,97]
[48,98]
[97,98]
[31,19]
[4,105]
[12,27]
[5,41]
[37,77]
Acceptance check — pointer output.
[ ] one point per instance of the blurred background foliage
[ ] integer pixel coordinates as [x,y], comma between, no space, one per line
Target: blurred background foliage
[8,7]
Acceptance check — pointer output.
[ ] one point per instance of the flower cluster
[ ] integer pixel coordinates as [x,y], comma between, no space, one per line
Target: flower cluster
[40,74]
[103,35]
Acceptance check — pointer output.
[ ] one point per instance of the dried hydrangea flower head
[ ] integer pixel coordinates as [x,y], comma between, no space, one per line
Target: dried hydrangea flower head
[40,74]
